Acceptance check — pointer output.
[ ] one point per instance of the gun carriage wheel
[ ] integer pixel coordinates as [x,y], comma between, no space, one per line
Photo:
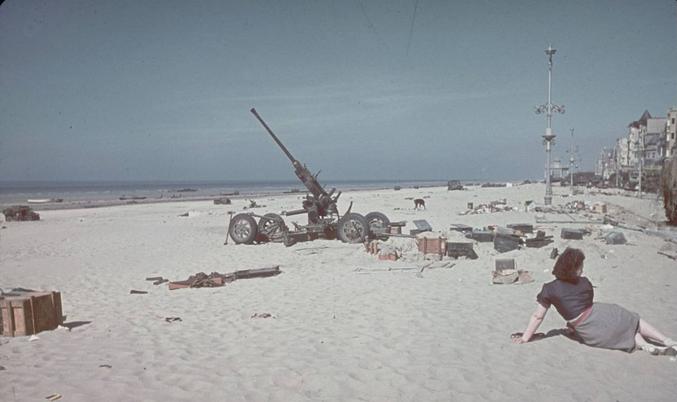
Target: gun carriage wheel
[243,229]
[271,227]
[352,228]
[378,224]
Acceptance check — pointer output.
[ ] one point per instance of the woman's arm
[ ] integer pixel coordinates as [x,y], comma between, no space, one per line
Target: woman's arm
[534,322]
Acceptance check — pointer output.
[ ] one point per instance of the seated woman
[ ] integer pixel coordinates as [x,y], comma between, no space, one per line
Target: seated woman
[600,325]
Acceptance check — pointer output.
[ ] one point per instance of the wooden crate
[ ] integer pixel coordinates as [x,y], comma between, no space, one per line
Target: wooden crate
[431,245]
[28,313]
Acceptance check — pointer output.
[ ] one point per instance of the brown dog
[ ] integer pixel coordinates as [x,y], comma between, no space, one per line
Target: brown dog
[419,203]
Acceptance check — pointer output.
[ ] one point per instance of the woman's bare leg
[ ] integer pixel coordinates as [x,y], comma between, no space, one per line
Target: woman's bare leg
[648,331]
[641,343]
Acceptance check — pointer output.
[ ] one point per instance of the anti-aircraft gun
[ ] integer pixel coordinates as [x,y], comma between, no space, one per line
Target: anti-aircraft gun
[321,208]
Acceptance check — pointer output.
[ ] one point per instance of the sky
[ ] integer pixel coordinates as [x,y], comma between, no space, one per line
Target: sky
[359,89]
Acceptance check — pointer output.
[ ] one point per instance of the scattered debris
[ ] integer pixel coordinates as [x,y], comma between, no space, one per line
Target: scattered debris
[137,292]
[668,249]
[53,397]
[395,228]
[599,207]
[523,228]
[190,214]
[432,265]
[459,227]
[253,204]
[172,319]
[105,366]
[492,207]
[541,240]
[615,238]
[368,270]
[421,226]
[510,276]
[262,315]
[215,279]
[222,201]
[554,253]
[383,250]
[670,256]
[20,213]
[154,278]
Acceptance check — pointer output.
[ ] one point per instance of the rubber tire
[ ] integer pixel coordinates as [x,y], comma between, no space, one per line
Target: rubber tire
[352,228]
[243,229]
[374,219]
[263,230]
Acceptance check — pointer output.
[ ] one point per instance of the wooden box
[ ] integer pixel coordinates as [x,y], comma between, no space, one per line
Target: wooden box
[432,245]
[28,313]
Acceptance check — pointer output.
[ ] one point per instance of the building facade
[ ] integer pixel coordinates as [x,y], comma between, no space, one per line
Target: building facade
[670,133]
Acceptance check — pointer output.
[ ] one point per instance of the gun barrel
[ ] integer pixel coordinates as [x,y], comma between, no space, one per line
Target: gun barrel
[277,140]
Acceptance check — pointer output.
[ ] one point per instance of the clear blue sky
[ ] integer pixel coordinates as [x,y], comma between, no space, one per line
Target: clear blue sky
[161,90]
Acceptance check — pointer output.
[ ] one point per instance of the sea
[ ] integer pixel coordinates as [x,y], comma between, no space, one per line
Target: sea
[65,194]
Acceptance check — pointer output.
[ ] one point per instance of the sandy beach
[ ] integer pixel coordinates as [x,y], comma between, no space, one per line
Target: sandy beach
[343,325]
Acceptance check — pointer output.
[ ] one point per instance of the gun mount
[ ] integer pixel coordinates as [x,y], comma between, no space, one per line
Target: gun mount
[320,206]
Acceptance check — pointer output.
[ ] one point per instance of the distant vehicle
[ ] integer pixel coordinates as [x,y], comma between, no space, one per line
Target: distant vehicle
[454,185]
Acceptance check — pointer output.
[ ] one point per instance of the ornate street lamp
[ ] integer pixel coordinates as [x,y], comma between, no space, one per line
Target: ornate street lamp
[549,137]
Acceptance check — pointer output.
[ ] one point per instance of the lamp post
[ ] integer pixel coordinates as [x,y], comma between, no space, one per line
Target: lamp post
[549,137]
[572,159]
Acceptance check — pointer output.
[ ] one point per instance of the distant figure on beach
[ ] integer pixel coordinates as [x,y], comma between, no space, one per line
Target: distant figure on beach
[601,325]
[419,203]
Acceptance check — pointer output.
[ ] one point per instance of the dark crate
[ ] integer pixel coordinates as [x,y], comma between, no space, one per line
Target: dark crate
[459,227]
[522,227]
[572,234]
[505,263]
[482,236]
[504,243]
[538,243]
[461,249]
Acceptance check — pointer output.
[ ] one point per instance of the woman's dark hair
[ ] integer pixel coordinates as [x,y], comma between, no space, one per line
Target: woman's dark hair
[566,267]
